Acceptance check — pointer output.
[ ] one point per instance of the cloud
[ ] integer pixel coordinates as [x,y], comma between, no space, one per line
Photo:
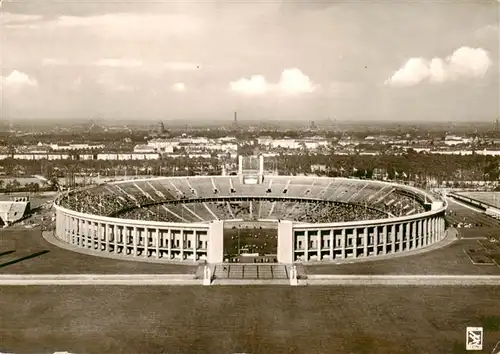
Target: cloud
[15,21]
[179,87]
[129,25]
[464,63]
[76,84]
[487,31]
[256,84]
[54,62]
[111,83]
[17,79]
[181,66]
[292,81]
[119,63]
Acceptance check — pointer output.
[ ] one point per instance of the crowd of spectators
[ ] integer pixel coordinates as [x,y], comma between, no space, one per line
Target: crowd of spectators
[138,204]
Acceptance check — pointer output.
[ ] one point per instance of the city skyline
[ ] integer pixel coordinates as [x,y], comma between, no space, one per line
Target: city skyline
[290,61]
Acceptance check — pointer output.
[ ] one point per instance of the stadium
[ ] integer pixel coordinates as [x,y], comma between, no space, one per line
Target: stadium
[249,217]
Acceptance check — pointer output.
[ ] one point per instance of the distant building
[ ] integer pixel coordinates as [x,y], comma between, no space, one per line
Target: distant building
[13,210]
[159,131]
[320,168]
[144,148]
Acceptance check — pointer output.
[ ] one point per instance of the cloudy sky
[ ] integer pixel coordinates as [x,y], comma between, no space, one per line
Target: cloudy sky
[367,60]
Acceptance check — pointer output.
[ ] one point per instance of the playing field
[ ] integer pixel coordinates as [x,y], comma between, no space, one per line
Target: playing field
[250,240]
[235,319]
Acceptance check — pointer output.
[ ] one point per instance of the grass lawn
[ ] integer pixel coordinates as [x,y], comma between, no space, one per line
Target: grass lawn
[26,252]
[233,319]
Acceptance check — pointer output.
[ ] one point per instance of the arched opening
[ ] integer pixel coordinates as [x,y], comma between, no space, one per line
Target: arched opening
[250,242]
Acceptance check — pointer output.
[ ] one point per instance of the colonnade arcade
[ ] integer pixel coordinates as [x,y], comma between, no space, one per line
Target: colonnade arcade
[204,241]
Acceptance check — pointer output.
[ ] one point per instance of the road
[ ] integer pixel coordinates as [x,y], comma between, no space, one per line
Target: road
[398,280]
[98,279]
[172,279]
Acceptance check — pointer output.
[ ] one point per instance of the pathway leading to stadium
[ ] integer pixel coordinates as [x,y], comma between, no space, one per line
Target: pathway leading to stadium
[171,280]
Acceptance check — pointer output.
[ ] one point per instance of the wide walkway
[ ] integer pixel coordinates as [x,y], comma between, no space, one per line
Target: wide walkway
[174,279]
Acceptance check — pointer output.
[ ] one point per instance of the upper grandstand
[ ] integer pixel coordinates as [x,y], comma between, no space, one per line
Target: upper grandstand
[207,198]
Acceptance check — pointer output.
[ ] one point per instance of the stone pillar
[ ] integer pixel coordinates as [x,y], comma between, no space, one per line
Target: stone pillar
[90,234]
[354,242]
[343,243]
[332,244]
[215,252]
[71,230]
[66,231]
[394,236]
[101,227]
[424,232]
[117,230]
[77,232]
[83,236]
[414,234]
[196,243]
[98,236]
[135,240]
[286,241]
[306,235]
[408,235]
[182,243]
[107,232]
[240,165]
[85,233]
[419,233]
[427,231]
[375,240]
[146,242]
[384,239]
[157,243]
[169,236]
[365,242]
[431,231]
[319,245]
[436,229]
[80,233]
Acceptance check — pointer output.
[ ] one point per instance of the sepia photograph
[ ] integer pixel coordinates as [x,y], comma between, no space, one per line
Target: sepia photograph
[266,176]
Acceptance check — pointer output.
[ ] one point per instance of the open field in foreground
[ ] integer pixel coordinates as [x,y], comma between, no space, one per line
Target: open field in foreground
[357,320]
[26,252]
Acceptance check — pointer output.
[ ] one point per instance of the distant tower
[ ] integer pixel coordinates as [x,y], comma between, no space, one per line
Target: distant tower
[235,121]
[497,126]
[160,128]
